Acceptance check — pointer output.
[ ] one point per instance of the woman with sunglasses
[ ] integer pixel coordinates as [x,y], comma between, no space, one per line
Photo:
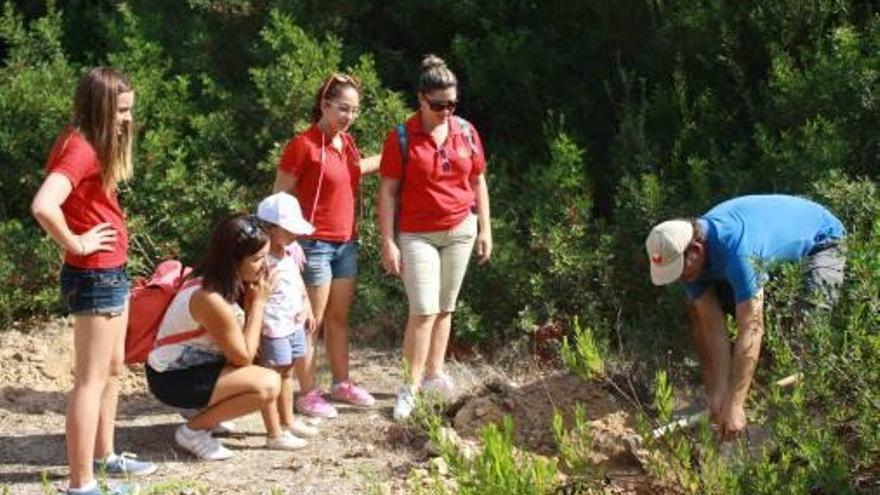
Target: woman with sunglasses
[322,167]
[77,205]
[213,371]
[433,192]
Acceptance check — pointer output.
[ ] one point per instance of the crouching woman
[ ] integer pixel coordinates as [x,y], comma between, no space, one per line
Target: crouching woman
[213,369]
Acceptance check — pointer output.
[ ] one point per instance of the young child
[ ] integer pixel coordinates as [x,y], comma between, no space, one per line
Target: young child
[286,318]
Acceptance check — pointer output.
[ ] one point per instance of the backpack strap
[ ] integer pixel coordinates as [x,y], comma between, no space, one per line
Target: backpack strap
[403,143]
[185,283]
[468,133]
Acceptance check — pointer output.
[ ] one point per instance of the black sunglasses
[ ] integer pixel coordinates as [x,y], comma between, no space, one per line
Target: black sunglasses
[439,105]
[443,156]
[251,227]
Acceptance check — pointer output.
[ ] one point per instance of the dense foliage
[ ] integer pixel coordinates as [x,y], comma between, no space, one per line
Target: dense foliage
[600,119]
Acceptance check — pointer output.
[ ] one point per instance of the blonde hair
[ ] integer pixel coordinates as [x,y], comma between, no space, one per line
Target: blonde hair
[434,74]
[95,106]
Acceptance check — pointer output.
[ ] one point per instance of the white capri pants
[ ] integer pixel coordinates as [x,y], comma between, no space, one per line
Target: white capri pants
[434,264]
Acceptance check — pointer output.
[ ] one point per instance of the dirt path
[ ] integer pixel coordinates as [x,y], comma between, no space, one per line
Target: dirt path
[360,451]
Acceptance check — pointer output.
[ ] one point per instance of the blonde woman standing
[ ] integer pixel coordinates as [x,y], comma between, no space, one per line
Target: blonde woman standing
[77,206]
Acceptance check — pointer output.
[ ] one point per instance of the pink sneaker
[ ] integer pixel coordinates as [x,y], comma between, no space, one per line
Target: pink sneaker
[313,404]
[351,393]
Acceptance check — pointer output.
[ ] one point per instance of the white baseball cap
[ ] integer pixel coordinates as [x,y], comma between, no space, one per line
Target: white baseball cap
[283,210]
[666,245]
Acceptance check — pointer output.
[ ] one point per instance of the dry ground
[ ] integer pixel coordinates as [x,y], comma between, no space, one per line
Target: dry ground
[359,452]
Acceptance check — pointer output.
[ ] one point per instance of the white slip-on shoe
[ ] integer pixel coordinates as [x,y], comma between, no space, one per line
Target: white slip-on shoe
[201,444]
[286,441]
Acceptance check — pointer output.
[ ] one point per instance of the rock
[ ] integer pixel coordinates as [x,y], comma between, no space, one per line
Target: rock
[439,466]
[469,449]
[448,436]
[50,372]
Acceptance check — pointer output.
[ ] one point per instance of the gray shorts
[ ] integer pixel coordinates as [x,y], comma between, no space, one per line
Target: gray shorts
[823,277]
[282,351]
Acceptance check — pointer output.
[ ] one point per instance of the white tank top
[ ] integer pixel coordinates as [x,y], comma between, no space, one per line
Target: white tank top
[191,352]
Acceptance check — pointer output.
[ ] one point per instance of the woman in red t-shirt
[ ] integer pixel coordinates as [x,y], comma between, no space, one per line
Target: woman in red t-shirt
[437,189]
[77,205]
[322,167]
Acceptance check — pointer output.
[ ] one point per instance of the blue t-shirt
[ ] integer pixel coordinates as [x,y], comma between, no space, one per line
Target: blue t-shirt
[746,234]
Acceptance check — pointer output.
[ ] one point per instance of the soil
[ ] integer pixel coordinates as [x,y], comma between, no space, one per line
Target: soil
[361,451]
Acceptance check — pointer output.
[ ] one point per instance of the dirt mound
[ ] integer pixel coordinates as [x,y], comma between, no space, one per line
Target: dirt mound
[532,407]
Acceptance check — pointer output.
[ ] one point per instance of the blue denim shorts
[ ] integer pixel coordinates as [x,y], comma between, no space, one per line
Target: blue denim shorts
[282,351]
[326,260]
[98,291]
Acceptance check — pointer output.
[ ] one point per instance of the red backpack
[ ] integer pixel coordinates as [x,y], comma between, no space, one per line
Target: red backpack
[149,301]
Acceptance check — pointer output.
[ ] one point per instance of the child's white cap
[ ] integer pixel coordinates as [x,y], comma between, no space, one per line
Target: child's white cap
[283,210]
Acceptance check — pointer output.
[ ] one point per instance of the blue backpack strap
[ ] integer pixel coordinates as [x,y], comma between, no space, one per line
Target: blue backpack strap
[468,133]
[403,141]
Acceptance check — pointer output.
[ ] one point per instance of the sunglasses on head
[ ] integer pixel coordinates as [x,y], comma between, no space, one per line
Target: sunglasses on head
[251,227]
[339,79]
[440,105]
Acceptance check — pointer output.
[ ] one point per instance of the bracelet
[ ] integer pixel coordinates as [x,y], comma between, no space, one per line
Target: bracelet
[82,247]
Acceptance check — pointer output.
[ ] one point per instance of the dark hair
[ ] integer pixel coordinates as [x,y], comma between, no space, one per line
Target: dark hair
[94,115]
[699,234]
[332,88]
[234,239]
[434,74]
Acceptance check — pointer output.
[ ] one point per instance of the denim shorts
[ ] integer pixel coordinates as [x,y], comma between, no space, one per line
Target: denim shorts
[282,351]
[94,291]
[326,260]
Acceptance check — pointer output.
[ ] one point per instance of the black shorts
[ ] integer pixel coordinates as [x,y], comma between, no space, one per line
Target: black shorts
[188,388]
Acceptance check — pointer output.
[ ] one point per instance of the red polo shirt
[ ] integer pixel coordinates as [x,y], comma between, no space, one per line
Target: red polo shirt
[89,203]
[438,187]
[330,207]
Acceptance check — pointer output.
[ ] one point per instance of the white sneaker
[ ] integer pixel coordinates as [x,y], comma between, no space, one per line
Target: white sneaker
[311,420]
[440,387]
[286,441]
[201,444]
[405,404]
[222,428]
[302,429]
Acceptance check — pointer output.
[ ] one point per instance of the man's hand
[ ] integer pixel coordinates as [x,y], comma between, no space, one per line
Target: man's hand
[731,422]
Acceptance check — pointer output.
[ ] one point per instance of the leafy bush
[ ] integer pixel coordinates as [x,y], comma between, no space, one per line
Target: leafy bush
[499,468]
